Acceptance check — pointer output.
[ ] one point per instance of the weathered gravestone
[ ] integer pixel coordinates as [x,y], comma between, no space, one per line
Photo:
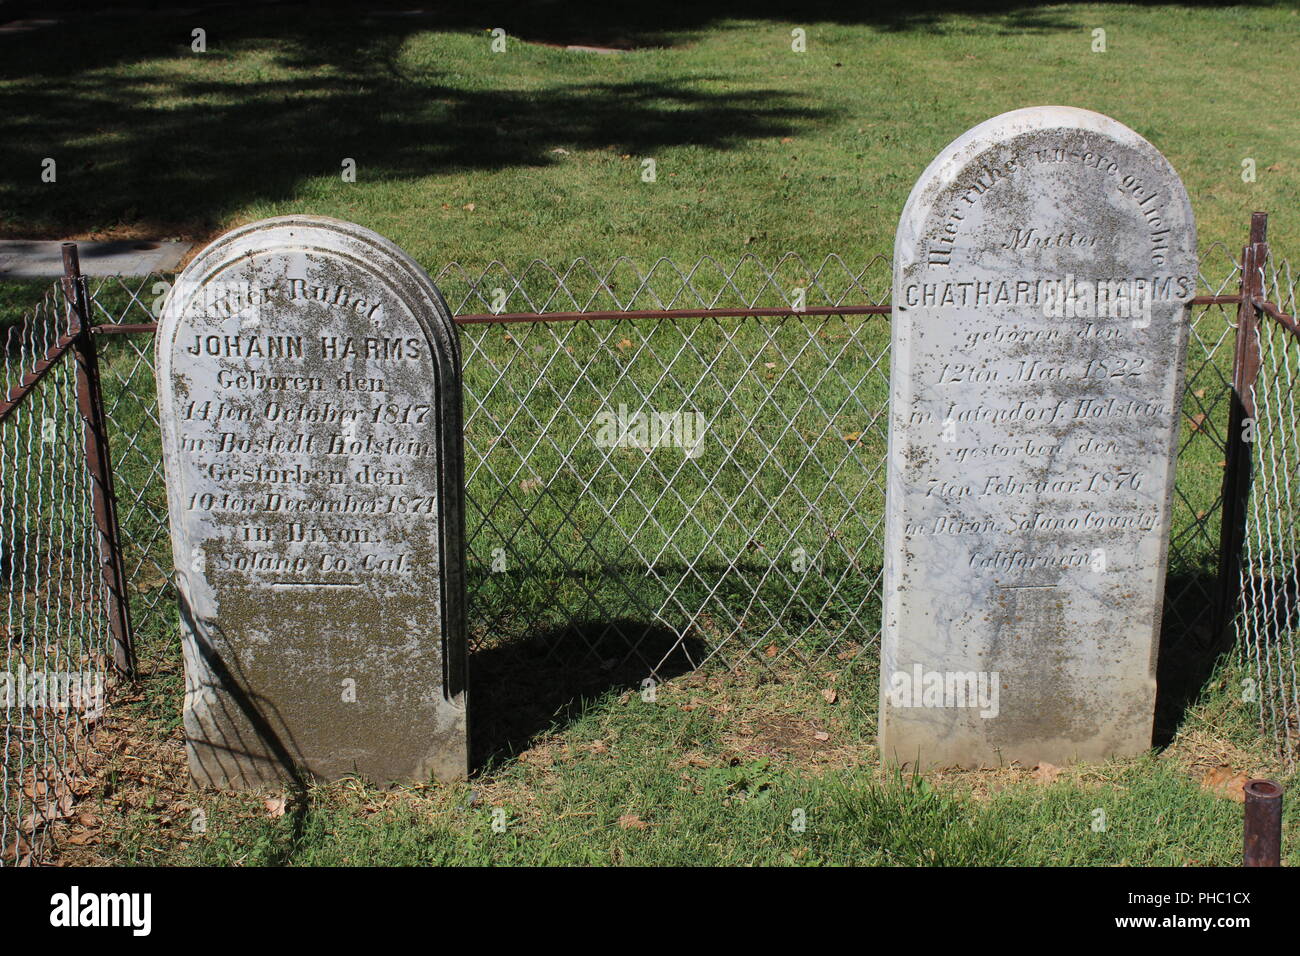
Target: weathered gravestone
[1041,273]
[309,391]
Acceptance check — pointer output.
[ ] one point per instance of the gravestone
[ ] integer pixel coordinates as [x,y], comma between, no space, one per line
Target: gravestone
[309,395]
[1042,270]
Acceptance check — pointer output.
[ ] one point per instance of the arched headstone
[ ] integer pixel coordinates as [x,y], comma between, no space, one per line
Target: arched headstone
[1042,270]
[309,395]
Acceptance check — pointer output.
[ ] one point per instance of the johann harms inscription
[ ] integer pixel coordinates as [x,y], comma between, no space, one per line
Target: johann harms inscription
[1042,268]
[309,385]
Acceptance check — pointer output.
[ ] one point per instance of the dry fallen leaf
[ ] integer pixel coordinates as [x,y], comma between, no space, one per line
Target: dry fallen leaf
[1224,783]
[469,207]
[530,484]
[1046,773]
[770,650]
[821,735]
[538,758]
[275,806]
[148,582]
[16,850]
[829,695]
[625,344]
[51,798]
[852,436]
[630,821]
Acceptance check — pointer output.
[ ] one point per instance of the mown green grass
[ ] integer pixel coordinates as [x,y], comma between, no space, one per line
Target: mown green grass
[679,782]
[758,150]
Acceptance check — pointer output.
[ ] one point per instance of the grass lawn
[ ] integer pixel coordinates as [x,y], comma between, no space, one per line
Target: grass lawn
[469,156]
[723,768]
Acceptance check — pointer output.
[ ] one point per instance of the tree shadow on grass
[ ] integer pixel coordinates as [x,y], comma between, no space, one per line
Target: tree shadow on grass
[665,23]
[148,144]
[143,142]
[521,689]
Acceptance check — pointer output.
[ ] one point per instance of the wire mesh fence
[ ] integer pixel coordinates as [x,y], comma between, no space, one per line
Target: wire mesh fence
[1195,524]
[734,508]
[57,648]
[658,490]
[759,538]
[1270,579]
[752,529]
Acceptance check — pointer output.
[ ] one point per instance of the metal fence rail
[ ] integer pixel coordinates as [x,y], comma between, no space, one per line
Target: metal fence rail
[748,529]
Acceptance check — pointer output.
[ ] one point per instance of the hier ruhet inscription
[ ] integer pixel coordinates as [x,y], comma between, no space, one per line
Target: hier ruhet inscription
[1042,270]
[309,390]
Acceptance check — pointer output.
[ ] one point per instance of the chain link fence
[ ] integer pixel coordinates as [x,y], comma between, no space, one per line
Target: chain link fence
[664,465]
[1270,579]
[762,539]
[57,645]
[735,509]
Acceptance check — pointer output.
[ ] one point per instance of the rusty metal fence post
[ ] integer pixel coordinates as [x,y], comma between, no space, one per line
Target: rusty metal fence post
[1263,824]
[99,463]
[1238,458]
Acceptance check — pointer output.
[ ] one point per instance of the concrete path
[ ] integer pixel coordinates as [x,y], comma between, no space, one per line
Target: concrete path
[24,259]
